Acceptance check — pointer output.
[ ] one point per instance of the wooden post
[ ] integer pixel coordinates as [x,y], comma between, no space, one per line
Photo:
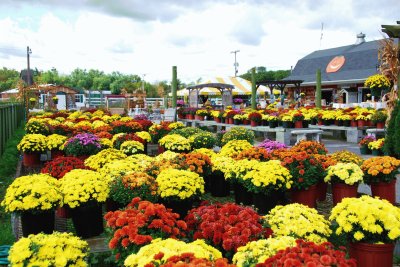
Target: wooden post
[253,88]
[318,90]
[174,86]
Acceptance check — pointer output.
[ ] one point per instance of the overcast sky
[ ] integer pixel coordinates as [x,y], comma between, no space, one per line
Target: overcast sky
[150,36]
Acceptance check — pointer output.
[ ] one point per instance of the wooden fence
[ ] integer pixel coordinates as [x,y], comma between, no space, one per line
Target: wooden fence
[11,117]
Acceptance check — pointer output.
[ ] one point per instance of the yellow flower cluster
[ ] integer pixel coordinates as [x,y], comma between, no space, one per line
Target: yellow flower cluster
[132,147]
[205,151]
[328,115]
[176,125]
[234,147]
[83,124]
[299,221]
[57,249]
[167,155]
[144,135]
[121,167]
[105,156]
[33,143]
[348,173]
[175,142]
[55,141]
[36,192]
[270,174]
[80,186]
[377,81]
[106,143]
[276,92]
[221,163]
[378,144]
[98,123]
[361,218]
[346,156]
[179,184]
[171,247]
[238,169]
[258,251]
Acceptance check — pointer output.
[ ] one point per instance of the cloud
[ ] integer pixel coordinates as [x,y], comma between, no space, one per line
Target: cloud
[248,29]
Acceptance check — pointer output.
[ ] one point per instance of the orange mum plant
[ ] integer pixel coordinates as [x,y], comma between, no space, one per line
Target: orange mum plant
[380,169]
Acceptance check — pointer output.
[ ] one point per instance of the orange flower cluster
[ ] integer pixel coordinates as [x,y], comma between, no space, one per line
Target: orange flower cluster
[138,179]
[326,160]
[311,147]
[160,165]
[196,162]
[104,128]
[257,153]
[380,169]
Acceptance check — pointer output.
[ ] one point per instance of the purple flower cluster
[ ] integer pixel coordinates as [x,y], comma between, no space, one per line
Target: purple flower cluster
[237,100]
[86,139]
[270,145]
[140,117]
[180,102]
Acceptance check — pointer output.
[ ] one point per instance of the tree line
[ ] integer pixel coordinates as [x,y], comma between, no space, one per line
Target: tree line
[117,82]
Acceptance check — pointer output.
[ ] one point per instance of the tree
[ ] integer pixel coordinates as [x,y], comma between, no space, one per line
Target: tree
[49,77]
[8,79]
[263,75]
[393,132]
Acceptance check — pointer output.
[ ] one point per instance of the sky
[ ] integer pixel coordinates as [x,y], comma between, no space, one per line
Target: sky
[148,37]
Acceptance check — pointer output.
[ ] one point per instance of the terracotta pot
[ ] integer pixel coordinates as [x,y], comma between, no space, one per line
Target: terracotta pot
[62,212]
[380,125]
[190,117]
[160,149]
[298,124]
[320,122]
[217,120]
[306,196]
[253,123]
[31,159]
[385,190]
[372,255]
[246,122]
[201,118]
[361,123]
[353,123]
[230,120]
[364,150]
[340,191]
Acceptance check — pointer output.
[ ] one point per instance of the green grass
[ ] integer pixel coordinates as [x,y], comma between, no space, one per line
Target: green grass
[8,165]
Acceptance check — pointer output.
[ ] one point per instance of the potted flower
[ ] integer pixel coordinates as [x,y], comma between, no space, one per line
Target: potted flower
[311,254]
[344,120]
[377,83]
[32,145]
[379,117]
[270,145]
[311,147]
[237,101]
[255,118]
[178,189]
[32,102]
[229,114]
[35,198]
[160,251]
[203,140]
[298,221]
[376,146]
[157,131]
[82,145]
[201,113]
[54,143]
[58,167]
[346,156]
[287,120]
[189,259]
[225,226]
[238,119]
[217,115]
[371,226]
[267,181]
[55,100]
[138,225]
[380,174]
[255,252]
[175,142]
[344,178]
[273,121]
[124,188]
[298,118]
[238,133]
[258,153]
[97,161]
[132,147]
[34,126]
[84,191]
[55,249]
[118,139]
[363,144]
[234,147]
[180,102]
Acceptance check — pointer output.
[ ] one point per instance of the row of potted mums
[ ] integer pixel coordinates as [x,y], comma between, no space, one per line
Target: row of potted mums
[158,208]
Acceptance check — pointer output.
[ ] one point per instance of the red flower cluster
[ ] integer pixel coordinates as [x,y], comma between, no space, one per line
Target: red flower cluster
[188,260]
[232,113]
[139,224]
[60,166]
[82,129]
[127,137]
[125,127]
[255,116]
[61,129]
[145,124]
[311,255]
[104,128]
[227,226]
[159,130]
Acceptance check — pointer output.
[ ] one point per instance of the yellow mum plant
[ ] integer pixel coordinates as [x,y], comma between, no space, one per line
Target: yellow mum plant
[55,141]
[380,169]
[266,177]
[346,156]
[167,155]
[105,156]
[176,125]
[57,249]
[171,247]
[367,219]
[234,147]
[298,221]
[179,184]
[378,144]
[81,186]
[377,81]
[348,173]
[34,193]
[144,135]
[258,251]
[33,143]
[175,142]
[132,147]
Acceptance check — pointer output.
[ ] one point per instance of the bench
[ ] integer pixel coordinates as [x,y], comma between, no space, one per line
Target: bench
[353,134]
[376,132]
[314,134]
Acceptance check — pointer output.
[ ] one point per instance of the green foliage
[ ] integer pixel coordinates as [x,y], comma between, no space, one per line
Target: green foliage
[262,74]
[186,132]
[204,139]
[396,149]
[390,138]
[8,79]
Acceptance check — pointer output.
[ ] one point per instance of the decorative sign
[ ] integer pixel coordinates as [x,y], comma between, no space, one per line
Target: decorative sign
[335,64]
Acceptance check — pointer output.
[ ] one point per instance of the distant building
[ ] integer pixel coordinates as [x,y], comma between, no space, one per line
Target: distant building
[343,72]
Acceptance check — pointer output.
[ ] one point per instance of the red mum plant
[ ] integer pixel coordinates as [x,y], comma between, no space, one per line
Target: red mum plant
[138,225]
[311,255]
[61,129]
[103,135]
[82,129]
[188,260]
[311,147]
[145,124]
[255,116]
[104,128]
[125,127]
[157,131]
[225,226]
[126,137]
[60,166]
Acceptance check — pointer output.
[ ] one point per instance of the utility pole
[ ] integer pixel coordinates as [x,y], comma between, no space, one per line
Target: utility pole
[235,64]
[143,82]
[28,77]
